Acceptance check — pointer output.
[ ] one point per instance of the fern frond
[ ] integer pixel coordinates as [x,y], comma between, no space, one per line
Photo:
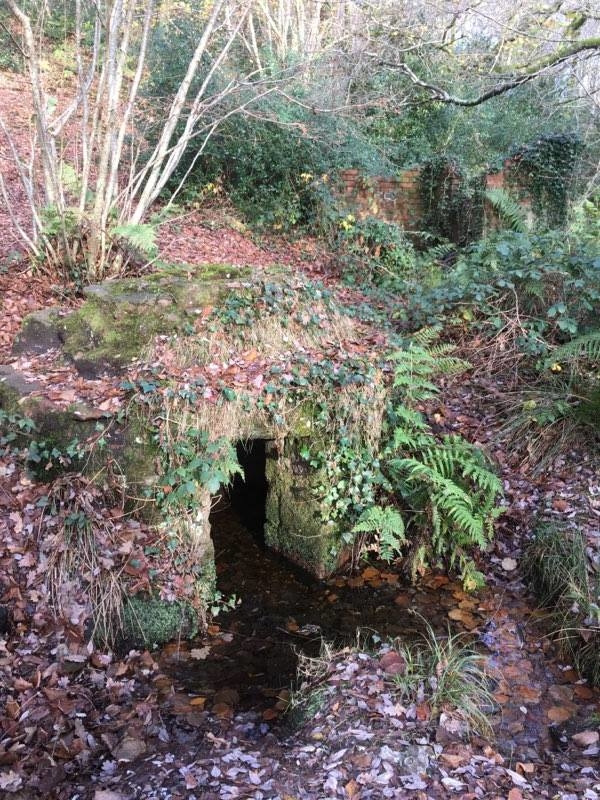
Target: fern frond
[411,418]
[426,335]
[410,440]
[388,524]
[507,208]
[585,348]
[142,237]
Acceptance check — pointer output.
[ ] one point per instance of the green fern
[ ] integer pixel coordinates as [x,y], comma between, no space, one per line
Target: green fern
[141,237]
[507,208]
[421,361]
[388,524]
[583,348]
[449,486]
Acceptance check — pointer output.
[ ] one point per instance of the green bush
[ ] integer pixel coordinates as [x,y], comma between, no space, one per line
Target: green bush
[374,251]
[547,283]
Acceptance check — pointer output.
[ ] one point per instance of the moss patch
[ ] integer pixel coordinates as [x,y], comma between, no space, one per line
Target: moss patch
[120,318]
[149,621]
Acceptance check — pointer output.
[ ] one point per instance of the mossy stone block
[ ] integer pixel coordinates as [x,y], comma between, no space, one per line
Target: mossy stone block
[149,621]
[119,319]
[294,517]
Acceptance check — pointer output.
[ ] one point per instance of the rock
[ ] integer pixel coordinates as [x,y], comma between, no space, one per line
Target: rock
[40,332]
[129,749]
[14,386]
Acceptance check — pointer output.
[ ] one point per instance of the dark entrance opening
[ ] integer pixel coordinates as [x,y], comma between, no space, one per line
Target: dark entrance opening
[248,493]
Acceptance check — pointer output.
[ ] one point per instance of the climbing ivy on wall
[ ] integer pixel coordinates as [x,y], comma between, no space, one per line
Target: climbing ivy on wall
[452,201]
[545,169]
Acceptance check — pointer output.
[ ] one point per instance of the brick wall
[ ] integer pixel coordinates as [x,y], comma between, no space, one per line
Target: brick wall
[398,198]
[499,180]
[393,199]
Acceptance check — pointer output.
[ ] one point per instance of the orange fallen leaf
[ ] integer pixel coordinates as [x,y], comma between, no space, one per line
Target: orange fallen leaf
[559,714]
[464,617]
[270,713]
[515,794]
[198,701]
[403,600]
[369,573]
[583,692]
[356,583]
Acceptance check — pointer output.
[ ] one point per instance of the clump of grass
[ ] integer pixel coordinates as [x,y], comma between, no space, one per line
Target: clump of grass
[444,673]
[560,575]
[449,676]
[75,573]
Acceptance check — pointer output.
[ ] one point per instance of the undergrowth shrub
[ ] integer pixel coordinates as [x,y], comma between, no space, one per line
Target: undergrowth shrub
[560,574]
[374,251]
[534,290]
[561,408]
[441,494]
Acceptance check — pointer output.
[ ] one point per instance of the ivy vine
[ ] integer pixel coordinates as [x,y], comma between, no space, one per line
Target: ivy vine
[545,168]
[452,201]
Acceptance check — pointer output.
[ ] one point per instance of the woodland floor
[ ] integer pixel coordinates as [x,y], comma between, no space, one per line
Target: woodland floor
[79,724]
[83,724]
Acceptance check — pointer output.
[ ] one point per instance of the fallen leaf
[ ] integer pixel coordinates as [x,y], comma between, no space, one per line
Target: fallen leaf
[222,710]
[586,738]
[403,600]
[129,749]
[198,701]
[369,573]
[515,794]
[525,768]
[393,663]
[559,714]
[199,653]
[583,692]
[464,617]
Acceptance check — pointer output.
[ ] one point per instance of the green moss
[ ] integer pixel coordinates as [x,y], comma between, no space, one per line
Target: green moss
[120,318]
[149,621]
